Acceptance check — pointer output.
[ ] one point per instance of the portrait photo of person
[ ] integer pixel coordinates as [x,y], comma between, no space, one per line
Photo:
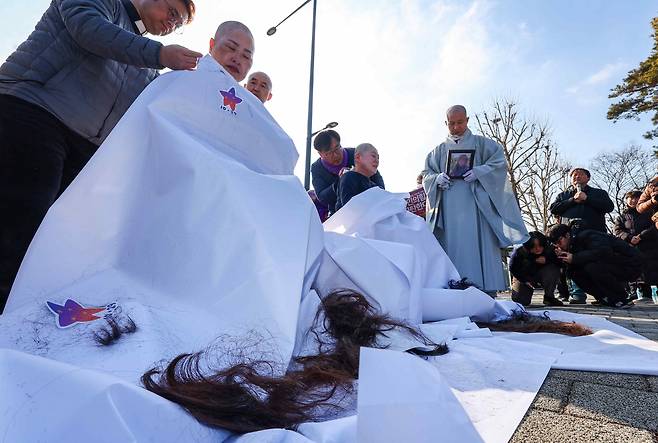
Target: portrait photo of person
[459,162]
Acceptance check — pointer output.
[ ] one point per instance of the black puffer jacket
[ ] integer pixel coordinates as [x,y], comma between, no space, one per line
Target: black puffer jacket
[592,211]
[325,183]
[523,263]
[589,246]
[631,223]
[84,64]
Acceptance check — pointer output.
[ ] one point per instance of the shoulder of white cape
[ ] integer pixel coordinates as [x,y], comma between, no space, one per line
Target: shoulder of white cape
[193,84]
[208,64]
[205,66]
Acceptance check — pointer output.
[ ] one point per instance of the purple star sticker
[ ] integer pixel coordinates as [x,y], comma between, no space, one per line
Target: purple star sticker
[230,99]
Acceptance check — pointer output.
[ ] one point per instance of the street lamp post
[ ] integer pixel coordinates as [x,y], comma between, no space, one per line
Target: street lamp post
[309,134]
[327,126]
[309,128]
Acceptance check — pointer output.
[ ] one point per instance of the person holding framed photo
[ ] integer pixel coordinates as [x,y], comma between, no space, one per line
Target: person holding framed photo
[471,207]
[460,161]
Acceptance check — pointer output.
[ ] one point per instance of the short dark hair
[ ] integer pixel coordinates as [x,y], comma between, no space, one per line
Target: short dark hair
[633,194]
[191,10]
[322,141]
[535,235]
[555,232]
[587,173]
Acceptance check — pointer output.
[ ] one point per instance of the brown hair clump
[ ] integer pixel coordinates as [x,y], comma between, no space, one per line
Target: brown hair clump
[521,321]
[250,395]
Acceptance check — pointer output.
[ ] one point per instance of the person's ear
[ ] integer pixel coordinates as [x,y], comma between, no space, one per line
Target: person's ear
[467,118]
[269,97]
[211,44]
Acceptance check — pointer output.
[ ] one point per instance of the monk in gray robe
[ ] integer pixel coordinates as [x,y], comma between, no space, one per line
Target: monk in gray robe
[476,215]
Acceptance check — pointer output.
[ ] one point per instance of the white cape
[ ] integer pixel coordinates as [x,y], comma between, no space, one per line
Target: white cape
[176,220]
[189,220]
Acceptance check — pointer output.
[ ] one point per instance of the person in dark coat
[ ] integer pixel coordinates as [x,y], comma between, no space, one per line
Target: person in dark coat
[61,93]
[533,264]
[583,202]
[356,181]
[638,230]
[599,263]
[326,171]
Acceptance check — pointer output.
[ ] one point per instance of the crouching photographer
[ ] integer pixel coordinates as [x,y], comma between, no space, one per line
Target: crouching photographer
[599,263]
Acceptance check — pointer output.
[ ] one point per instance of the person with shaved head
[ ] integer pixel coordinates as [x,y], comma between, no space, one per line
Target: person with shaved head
[259,84]
[326,170]
[233,48]
[475,214]
[358,180]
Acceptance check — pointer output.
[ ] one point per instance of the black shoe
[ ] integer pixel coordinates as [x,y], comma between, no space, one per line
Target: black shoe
[597,303]
[552,301]
[574,301]
[623,304]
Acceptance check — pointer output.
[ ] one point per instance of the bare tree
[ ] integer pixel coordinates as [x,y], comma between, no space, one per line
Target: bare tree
[540,180]
[621,171]
[535,169]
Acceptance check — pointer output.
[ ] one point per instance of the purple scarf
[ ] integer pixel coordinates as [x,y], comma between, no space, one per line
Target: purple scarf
[335,169]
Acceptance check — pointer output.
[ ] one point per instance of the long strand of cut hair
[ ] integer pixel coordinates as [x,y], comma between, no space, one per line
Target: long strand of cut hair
[249,396]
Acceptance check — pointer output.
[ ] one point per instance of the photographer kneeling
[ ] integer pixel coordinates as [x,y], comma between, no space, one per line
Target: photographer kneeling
[599,263]
[532,264]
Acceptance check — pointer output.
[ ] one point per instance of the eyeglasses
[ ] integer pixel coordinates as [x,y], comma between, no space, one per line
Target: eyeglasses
[331,152]
[174,17]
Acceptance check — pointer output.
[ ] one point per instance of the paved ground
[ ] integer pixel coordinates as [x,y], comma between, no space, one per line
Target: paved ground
[575,406]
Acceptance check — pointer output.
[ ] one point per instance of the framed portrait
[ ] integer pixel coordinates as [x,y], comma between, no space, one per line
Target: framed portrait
[460,161]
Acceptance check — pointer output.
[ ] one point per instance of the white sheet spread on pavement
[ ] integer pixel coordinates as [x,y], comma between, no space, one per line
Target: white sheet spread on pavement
[418,407]
[189,221]
[611,348]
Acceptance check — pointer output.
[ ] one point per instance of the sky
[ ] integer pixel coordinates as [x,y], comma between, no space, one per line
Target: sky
[386,70]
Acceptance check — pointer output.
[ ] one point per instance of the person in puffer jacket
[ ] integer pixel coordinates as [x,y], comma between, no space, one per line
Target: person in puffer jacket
[61,93]
[532,264]
[648,201]
[638,230]
[599,263]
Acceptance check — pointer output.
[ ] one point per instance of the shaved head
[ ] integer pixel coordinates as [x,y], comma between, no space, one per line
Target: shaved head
[366,159]
[259,84]
[229,26]
[456,120]
[233,48]
[456,109]
[261,75]
[364,147]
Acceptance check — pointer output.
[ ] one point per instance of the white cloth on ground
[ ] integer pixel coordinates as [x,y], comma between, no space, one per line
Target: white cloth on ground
[158,223]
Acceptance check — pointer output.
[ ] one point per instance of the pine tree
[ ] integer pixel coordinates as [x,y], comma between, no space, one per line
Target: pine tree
[639,91]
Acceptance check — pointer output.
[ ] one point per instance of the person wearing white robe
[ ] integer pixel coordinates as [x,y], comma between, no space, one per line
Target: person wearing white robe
[259,84]
[233,48]
[474,217]
[157,224]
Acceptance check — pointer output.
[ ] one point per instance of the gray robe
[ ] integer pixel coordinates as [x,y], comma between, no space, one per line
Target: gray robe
[473,221]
